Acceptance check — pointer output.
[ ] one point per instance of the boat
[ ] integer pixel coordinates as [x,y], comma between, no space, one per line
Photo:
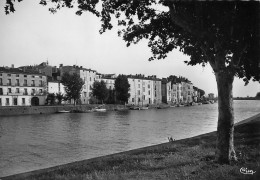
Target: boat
[134,108]
[81,111]
[180,105]
[99,109]
[144,108]
[63,111]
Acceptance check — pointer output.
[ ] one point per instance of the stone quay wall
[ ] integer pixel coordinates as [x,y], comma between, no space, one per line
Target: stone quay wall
[23,110]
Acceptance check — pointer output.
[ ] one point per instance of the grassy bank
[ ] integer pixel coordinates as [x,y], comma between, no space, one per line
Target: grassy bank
[191,158]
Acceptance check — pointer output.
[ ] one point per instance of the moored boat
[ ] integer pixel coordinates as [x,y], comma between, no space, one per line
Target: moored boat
[63,111]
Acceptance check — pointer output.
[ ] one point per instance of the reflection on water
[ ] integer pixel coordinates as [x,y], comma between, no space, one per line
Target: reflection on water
[39,141]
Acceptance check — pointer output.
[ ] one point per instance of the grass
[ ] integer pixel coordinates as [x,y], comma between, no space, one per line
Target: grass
[192,158]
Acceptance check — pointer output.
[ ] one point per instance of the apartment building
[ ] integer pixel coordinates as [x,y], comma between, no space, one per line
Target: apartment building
[141,90]
[109,79]
[187,91]
[157,89]
[166,91]
[22,88]
[87,75]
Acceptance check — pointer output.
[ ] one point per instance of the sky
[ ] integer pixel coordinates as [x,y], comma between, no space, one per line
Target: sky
[33,35]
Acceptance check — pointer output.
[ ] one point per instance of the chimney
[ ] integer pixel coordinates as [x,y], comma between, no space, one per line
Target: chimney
[12,66]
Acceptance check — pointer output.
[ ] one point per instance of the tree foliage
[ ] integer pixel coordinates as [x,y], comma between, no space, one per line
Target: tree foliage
[122,88]
[59,97]
[50,98]
[73,86]
[202,92]
[99,90]
[200,30]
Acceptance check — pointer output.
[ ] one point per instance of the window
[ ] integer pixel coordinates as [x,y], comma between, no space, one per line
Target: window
[138,85]
[133,99]
[15,101]
[143,89]
[17,75]
[139,99]
[90,78]
[25,82]
[154,87]
[1,81]
[1,91]
[148,86]
[17,82]
[149,92]
[32,76]
[40,90]
[155,94]
[25,91]
[85,94]
[9,82]
[143,97]
[33,83]
[17,90]
[40,82]
[7,101]
[40,76]
[23,101]
[138,92]
[0,101]
[9,90]
[9,75]
[25,76]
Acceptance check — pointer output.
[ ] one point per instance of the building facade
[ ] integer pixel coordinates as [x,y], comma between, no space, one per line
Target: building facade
[166,91]
[141,90]
[87,75]
[20,88]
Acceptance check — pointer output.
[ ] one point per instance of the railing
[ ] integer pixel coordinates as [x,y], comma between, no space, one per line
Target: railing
[8,84]
[25,84]
[7,104]
[32,84]
[17,84]
[25,93]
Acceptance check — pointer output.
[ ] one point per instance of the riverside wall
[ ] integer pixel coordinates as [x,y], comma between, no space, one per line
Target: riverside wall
[25,110]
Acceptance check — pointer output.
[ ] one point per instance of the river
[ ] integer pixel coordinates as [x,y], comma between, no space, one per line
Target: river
[31,142]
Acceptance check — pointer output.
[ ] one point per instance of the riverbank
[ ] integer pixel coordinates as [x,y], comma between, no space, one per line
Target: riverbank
[191,158]
[25,110]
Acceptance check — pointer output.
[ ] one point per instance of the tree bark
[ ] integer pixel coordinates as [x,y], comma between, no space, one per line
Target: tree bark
[225,152]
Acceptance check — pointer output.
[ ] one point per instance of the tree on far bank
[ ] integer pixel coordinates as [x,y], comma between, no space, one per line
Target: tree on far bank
[50,99]
[100,91]
[73,86]
[59,97]
[222,34]
[122,88]
[202,92]
[257,95]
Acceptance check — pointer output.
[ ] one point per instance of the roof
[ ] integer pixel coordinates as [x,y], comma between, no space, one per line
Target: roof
[141,76]
[19,71]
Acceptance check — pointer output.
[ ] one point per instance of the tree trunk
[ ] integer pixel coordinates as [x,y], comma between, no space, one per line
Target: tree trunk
[225,131]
